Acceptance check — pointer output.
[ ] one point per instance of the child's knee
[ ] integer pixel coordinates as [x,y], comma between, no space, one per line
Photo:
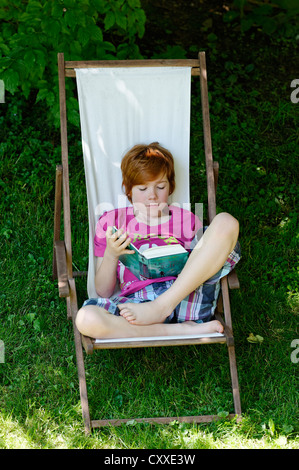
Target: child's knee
[91,321]
[227,224]
[86,319]
[81,319]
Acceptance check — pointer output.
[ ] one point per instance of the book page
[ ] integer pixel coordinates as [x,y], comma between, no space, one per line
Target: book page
[164,250]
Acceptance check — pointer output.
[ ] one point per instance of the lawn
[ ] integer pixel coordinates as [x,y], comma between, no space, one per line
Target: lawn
[255,139]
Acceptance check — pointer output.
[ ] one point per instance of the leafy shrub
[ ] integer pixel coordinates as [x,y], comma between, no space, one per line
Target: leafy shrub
[33,32]
[279,17]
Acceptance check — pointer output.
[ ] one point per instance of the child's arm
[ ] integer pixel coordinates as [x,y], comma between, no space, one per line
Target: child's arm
[106,269]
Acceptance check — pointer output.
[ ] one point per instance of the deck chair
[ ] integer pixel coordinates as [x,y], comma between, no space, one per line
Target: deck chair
[162,89]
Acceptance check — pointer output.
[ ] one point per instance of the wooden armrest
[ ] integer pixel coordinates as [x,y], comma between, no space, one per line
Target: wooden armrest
[63,284]
[87,344]
[233,280]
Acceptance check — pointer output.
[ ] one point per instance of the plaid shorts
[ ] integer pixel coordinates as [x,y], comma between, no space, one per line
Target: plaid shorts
[199,306]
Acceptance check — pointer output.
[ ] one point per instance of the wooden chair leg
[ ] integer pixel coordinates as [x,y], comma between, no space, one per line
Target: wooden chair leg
[231,347]
[234,379]
[226,302]
[57,214]
[80,360]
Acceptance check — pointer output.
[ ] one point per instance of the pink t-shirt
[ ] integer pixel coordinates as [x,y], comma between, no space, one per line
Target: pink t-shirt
[181,227]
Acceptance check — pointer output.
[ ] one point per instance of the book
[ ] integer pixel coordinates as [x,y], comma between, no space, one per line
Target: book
[158,261]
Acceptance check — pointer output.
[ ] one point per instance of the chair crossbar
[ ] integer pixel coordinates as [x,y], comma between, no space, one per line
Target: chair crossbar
[163,420]
[158,341]
[70,66]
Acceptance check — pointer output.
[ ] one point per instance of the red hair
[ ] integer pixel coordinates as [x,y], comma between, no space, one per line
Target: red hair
[145,163]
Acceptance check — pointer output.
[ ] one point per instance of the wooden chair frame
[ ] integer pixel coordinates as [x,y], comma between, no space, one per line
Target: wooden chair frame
[62,249]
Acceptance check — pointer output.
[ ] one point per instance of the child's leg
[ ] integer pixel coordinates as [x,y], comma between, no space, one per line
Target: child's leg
[206,259]
[96,322]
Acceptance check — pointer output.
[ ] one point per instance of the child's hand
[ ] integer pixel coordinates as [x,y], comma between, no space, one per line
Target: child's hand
[117,243]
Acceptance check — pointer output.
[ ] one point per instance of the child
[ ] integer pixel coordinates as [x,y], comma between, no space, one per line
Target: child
[168,305]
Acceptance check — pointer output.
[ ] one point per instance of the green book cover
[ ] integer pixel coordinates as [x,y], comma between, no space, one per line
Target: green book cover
[161,261]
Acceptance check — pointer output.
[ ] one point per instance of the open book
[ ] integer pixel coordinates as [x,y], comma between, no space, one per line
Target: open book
[158,261]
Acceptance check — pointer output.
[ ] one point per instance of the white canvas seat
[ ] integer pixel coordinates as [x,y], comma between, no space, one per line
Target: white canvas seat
[119,108]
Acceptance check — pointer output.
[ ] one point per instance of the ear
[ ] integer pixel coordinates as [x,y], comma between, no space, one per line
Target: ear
[129,196]
[171,191]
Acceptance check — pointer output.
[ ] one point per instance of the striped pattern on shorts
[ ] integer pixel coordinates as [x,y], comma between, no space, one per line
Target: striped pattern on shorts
[199,306]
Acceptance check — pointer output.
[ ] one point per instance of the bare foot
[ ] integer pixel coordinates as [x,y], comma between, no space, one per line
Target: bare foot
[213,326]
[192,328]
[146,313]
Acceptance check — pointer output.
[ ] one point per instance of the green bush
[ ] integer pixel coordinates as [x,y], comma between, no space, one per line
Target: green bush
[279,18]
[33,32]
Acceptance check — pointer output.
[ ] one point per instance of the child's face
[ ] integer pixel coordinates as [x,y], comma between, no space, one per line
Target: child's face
[150,199]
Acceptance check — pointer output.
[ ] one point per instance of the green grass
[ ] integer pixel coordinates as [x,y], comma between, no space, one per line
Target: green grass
[255,142]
